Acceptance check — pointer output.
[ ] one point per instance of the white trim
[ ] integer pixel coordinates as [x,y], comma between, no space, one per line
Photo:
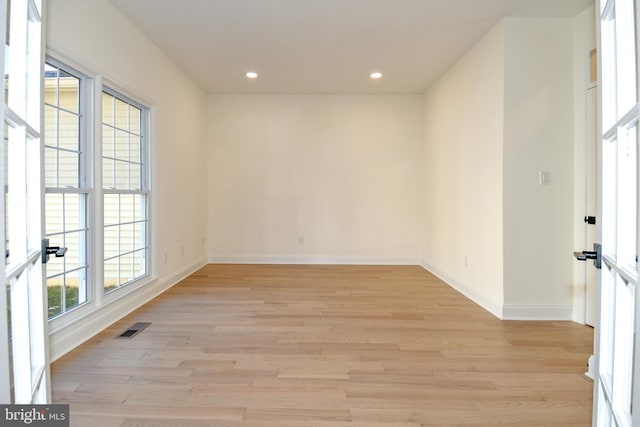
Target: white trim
[72,335]
[492,306]
[310,259]
[538,312]
[89,68]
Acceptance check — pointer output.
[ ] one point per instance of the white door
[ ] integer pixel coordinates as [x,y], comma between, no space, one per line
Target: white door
[24,369]
[617,388]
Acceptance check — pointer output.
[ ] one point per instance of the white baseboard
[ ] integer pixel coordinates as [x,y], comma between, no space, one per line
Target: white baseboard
[310,260]
[502,311]
[489,304]
[538,312]
[72,335]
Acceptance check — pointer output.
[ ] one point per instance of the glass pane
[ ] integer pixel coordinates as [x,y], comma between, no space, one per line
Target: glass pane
[73,212]
[83,294]
[127,209]
[108,175]
[126,238]
[107,109]
[72,290]
[139,206]
[56,265]
[33,72]
[50,126]
[69,92]
[74,242]
[34,196]
[122,145]
[69,131]
[111,242]
[135,181]
[623,345]
[139,259]
[50,84]
[608,52]
[139,235]
[111,279]
[20,324]
[609,202]
[122,175]
[54,218]
[17,198]
[126,269]
[626,56]
[607,325]
[135,144]
[50,167]
[69,174]
[108,142]
[627,198]
[122,114]
[54,295]
[134,119]
[111,209]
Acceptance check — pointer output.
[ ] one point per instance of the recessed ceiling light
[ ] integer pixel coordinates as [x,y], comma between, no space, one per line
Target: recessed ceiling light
[252,75]
[376,75]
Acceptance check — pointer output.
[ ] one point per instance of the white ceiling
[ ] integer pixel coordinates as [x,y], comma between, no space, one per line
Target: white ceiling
[324,46]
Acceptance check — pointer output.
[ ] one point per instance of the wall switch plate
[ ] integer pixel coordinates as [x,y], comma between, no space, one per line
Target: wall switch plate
[545,178]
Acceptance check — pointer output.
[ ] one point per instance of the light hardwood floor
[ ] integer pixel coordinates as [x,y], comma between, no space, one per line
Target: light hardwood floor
[335,346]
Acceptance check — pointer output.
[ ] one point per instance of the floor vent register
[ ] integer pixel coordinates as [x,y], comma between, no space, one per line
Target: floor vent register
[134,330]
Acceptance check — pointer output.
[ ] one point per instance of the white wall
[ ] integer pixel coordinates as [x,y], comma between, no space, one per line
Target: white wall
[95,36]
[449,180]
[314,178]
[538,136]
[493,122]
[462,218]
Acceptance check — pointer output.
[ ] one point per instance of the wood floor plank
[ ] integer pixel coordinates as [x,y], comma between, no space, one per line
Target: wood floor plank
[325,346]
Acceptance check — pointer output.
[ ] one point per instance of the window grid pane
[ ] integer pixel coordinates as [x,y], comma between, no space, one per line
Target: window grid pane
[62,128]
[66,276]
[609,99]
[627,198]
[65,200]
[125,198]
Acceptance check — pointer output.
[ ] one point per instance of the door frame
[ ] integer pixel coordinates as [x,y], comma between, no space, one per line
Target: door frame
[605,409]
[27,56]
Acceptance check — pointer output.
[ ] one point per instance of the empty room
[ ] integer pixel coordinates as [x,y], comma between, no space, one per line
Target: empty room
[342,213]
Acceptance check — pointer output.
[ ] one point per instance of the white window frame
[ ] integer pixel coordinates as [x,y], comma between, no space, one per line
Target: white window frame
[86,172]
[98,300]
[145,183]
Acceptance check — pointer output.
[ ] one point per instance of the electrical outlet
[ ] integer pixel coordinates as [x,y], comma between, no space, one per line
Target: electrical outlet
[301,240]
